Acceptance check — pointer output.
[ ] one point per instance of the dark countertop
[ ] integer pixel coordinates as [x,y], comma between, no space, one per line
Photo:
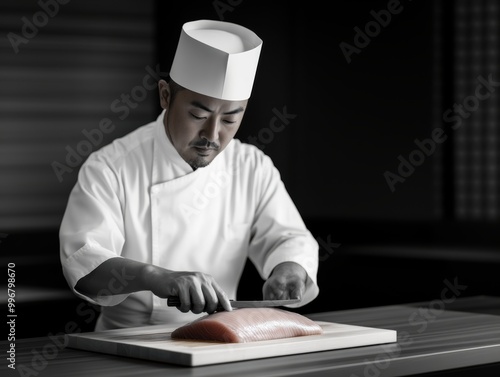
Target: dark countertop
[444,337]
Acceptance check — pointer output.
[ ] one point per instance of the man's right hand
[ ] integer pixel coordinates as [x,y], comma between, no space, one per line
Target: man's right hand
[197,292]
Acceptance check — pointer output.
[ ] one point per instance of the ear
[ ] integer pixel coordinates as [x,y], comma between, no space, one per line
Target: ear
[164,92]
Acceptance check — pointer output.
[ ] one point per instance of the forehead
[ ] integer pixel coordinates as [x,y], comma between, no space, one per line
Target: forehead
[187,97]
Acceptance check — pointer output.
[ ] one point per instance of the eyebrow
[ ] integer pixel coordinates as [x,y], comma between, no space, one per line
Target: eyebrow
[203,107]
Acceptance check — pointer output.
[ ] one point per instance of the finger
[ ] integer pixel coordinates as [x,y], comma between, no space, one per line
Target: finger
[273,293]
[211,300]
[197,299]
[296,293]
[185,300]
[267,291]
[222,298]
[276,289]
[295,289]
[283,295]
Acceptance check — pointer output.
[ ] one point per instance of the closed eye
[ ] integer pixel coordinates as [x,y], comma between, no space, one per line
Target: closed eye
[197,117]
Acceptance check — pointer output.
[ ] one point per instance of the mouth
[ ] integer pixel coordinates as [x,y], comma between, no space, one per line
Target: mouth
[204,152]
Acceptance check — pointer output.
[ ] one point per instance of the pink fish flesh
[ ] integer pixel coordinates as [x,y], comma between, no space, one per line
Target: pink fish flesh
[248,325]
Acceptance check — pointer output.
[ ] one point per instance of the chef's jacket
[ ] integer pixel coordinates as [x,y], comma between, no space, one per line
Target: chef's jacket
[137,198]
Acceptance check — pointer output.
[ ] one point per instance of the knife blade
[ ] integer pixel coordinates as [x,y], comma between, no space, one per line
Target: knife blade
[175,301]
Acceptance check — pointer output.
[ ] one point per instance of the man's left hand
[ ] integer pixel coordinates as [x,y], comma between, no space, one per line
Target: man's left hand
[287,281]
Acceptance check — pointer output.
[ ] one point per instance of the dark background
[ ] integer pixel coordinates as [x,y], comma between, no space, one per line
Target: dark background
[353,120]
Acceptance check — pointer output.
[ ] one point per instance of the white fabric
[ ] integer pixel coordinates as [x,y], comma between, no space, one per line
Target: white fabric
[137,198]
[217,59]
[220,39]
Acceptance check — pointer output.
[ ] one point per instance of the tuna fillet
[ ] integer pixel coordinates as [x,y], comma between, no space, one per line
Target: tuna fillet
[248,325]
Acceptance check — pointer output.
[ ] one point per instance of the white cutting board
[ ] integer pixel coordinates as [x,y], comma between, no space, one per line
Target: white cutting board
[154,343]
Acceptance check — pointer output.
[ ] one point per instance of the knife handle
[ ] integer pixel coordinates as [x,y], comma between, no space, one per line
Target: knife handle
[175,301]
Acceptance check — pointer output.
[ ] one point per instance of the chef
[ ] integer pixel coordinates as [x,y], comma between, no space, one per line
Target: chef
[177,206]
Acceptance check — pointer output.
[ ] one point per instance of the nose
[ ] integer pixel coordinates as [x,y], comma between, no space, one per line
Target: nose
[210,130]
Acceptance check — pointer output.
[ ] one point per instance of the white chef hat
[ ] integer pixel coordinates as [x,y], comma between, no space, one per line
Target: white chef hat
[218,59]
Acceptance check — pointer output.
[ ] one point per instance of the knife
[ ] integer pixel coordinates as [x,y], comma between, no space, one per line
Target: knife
[174,301]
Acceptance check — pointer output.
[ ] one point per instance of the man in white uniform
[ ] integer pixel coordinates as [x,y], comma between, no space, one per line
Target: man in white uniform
[176,207]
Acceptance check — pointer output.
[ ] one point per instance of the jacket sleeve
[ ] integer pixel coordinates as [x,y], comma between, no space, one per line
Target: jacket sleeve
[278,231]
[91,231]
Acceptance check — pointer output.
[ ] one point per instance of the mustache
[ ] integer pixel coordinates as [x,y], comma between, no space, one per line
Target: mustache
[206,144]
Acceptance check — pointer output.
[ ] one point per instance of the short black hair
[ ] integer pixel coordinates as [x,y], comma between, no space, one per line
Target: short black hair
[174,89]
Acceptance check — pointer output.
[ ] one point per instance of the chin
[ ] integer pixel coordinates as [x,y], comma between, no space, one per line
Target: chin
[199,162]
